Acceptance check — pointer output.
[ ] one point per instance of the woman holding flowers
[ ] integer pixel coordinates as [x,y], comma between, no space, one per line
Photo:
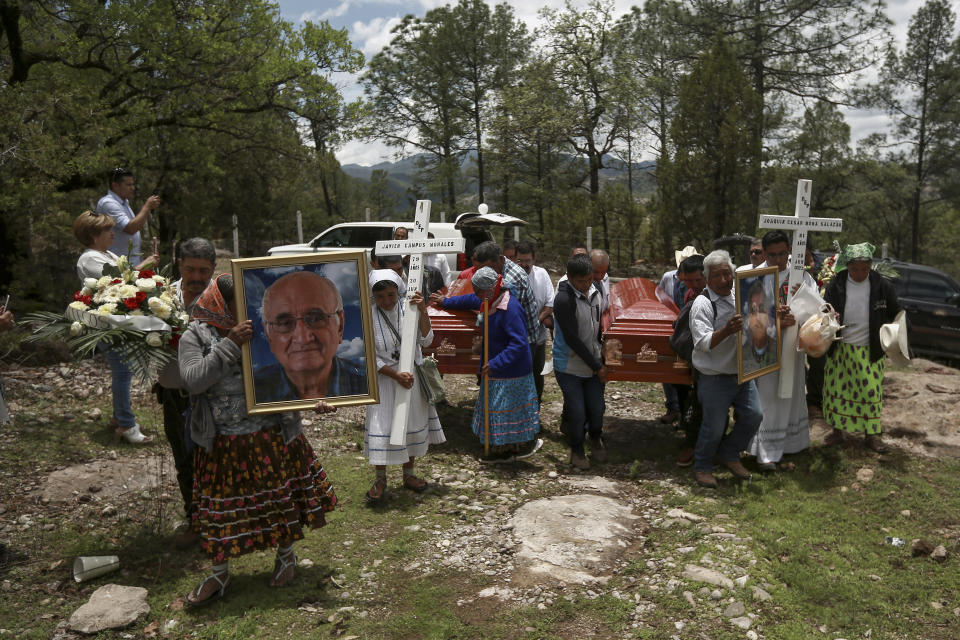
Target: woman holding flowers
[423,428]
[256,479]
[95,232]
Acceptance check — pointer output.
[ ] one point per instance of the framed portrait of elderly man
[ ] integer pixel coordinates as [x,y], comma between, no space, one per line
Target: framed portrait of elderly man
[311,331]
[758,347]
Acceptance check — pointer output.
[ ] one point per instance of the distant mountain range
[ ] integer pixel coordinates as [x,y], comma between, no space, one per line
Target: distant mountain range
[401,173]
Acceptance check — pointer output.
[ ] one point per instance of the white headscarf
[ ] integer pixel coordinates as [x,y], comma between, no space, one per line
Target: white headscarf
[380,275]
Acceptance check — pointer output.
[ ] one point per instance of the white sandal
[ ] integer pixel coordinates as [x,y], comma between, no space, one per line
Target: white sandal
[223,581]
[132,435]
[283,562]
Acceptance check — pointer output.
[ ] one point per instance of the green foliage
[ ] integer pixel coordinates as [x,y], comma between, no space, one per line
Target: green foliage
[706,185]
[204,101]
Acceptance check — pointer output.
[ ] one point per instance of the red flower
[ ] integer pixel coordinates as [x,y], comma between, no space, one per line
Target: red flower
[146,273]
[141,296]
[131,303]
[116,281]
[82,298]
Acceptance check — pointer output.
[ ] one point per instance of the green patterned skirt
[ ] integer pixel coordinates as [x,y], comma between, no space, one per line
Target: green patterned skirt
[853,390]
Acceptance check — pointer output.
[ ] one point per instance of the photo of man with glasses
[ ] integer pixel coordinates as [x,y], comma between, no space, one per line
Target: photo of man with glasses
[303,321]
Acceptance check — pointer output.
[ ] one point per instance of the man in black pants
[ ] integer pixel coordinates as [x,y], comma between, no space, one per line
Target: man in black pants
[196,264]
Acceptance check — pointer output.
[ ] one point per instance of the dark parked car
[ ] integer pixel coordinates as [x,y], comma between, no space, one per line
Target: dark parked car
[932,301]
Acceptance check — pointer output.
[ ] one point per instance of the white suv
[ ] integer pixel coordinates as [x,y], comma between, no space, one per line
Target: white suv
[474,228]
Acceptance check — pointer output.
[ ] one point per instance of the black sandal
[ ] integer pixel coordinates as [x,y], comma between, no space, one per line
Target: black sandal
[377,484]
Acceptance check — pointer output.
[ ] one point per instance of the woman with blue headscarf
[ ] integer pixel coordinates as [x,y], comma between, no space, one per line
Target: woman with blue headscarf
[853,376]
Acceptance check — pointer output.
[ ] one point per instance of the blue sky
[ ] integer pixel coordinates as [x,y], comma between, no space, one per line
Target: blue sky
[369,22]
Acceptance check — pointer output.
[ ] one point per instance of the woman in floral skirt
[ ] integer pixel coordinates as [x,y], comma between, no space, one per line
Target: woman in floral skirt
[256,478]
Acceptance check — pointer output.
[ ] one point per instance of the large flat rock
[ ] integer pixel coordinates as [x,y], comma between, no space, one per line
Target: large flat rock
[112,606]
[572,538]
[110,478]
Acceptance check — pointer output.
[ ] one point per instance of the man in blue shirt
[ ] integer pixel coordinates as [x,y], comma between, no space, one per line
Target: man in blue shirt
[116,204]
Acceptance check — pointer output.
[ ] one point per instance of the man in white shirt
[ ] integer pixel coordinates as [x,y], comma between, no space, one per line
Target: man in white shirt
[542,288]
[786,425]
[116,204]
[714,325]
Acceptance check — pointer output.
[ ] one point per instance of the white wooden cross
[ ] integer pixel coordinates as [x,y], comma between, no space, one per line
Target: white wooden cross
[801,224]
[416,245]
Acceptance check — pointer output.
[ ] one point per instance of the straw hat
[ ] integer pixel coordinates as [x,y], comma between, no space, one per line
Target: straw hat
[684,253]
[893,339]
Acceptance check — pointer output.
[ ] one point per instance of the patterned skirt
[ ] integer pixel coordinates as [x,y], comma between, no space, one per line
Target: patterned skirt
[254,492]
[514,411]
[853,389]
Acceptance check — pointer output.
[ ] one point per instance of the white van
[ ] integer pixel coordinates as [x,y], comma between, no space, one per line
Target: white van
[474,228]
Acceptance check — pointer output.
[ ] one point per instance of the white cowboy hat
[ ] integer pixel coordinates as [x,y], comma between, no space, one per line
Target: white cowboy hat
[893,339]
[684,253]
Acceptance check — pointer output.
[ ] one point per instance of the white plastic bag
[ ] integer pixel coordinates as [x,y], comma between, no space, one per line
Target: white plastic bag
[805,303]
[819,331]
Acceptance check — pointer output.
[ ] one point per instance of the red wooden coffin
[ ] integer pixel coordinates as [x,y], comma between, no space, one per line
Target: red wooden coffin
[637,327]
[455,333]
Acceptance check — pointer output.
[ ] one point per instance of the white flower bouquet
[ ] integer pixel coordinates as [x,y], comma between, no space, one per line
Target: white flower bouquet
[135,312]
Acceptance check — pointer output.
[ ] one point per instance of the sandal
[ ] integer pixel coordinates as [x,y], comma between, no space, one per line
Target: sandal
[874,443]
[224,582]
[283,562]
[418,485]
[376,492]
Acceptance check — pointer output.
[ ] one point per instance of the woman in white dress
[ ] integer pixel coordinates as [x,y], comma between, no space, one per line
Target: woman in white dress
[423,428]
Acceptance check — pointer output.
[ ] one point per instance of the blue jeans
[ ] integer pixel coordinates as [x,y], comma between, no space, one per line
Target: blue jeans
[717,394]
[583,406]
[120,385]
[670,394]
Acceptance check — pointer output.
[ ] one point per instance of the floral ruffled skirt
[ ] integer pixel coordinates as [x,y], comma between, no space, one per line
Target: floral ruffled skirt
[254,492]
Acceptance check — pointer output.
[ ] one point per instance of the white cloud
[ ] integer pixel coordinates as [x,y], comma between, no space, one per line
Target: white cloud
[352,350]
[374,35]
[365,153]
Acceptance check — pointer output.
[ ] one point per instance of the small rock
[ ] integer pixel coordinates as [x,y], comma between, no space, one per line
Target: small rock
[702,574]
[716,594]
[735,610]
[108,511]
[936,606]
[864,475]
[760,594]
[306,563]
[939,554]
[743,622]
[94,414]
[688,596]
[921,548]
[905,513]
[875,577]
[680,513]
[741,581]
[551,474]
[752,635]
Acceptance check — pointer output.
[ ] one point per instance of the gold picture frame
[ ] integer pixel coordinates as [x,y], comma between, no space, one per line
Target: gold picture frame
[288,365]
[758,342]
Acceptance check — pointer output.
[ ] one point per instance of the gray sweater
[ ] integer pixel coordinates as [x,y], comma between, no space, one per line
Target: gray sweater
[208,363]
